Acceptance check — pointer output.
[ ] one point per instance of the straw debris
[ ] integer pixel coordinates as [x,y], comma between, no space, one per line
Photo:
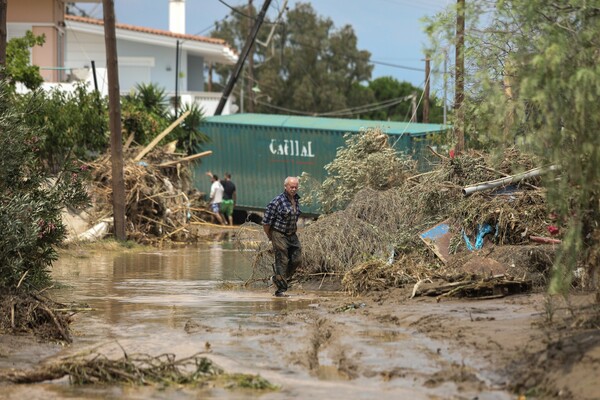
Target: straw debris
[160,202]
[374,243]
[139,369]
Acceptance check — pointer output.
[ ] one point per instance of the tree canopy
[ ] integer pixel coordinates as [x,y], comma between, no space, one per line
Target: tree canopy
[309,66]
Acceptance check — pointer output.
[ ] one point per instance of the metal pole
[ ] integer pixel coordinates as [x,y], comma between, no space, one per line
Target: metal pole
[94,75]
[240,63]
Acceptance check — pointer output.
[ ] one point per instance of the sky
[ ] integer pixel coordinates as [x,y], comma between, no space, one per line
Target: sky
[391,30]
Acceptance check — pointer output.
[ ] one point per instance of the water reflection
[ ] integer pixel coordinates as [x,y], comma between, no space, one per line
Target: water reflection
[141,293]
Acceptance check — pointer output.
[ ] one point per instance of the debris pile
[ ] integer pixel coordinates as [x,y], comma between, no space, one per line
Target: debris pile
[426,229]
[139,369]
[160,203]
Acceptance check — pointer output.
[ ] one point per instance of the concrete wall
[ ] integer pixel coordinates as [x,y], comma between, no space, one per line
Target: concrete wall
[42,17]
[143,62]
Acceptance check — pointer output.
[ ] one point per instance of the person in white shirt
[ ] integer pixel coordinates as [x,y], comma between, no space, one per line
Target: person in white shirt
[216,196]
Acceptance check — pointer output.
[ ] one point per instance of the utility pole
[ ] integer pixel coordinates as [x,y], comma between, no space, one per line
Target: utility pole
[114,105]
[413,105]
[445,85]
[426,90]
[459,91]
[3,7]
[243,55]
[250,67]
[177,78]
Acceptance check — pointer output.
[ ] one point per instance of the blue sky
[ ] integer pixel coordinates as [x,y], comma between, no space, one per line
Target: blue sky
[390,29]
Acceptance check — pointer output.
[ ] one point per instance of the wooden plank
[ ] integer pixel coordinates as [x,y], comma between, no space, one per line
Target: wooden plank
[185,159]
[161,136]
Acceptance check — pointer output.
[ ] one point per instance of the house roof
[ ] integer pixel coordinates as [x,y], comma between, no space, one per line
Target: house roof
[212,49]
[327,124]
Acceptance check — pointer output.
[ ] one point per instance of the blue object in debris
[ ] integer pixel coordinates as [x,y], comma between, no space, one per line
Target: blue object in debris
[142,163]
[482,231]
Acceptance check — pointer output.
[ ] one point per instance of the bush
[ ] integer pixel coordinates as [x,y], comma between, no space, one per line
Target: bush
[72,124]
[30,200]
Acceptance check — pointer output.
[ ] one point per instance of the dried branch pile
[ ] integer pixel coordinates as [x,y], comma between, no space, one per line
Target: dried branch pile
[160,201]
[374,242]
[25,313]
[163,370]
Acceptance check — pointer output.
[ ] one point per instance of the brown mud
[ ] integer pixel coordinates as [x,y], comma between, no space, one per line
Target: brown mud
[319,342]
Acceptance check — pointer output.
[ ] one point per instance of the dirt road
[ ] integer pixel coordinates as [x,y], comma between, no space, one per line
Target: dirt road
[317,343]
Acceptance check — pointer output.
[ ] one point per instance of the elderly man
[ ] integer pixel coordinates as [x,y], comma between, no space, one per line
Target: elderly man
[280,224]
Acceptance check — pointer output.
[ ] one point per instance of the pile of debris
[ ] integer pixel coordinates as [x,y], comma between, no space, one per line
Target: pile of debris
[160,202]
[471,219]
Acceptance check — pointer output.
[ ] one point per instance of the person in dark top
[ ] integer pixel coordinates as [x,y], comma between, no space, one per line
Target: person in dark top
[280,224]
[229,197]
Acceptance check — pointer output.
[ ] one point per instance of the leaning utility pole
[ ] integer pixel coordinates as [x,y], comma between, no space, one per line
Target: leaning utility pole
[426,90]
[3,6]
[243,55]
[459,91]
[250,67]
[114,105]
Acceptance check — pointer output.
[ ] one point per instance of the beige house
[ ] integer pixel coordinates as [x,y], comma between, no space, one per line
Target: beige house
[76,44]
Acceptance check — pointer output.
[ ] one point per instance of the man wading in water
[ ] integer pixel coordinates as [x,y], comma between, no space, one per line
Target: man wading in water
[280,224]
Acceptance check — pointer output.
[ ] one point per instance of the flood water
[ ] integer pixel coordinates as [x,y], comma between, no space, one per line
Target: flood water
[175,301]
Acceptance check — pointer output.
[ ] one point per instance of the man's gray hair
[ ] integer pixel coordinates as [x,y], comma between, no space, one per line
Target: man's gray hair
[287,180]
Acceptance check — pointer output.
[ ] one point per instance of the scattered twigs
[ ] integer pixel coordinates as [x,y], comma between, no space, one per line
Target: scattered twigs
[492,287]
[435,153]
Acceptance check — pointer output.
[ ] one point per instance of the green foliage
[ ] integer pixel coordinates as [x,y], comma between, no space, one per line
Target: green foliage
[309,65]
[18,67]
[534,79]
[71,124]
[366,161]
[144,113]
[153,98]
[30,202]
[187,134]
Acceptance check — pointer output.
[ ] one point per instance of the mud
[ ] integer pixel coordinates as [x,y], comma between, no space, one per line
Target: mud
[317,343]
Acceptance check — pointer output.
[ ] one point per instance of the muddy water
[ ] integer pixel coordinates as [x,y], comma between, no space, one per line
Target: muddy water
[174,301]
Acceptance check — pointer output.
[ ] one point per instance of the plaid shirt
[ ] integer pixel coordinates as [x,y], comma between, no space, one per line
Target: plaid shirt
[280,214]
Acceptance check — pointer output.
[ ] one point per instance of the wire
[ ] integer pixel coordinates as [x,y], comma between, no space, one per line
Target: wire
[413,116]
[397,66]
[235,10]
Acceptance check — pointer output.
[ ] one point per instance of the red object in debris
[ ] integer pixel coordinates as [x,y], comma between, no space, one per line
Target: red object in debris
[451,153]
[553,230]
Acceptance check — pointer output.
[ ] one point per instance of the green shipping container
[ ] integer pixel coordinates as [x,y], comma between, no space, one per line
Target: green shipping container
[261,150]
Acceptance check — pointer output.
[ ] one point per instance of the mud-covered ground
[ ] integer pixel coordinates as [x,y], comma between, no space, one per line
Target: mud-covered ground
[387,344]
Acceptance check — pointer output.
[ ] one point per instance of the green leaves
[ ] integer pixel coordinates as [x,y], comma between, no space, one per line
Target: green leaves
[307,67]
[534,79]
[30,201]
[18,66]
